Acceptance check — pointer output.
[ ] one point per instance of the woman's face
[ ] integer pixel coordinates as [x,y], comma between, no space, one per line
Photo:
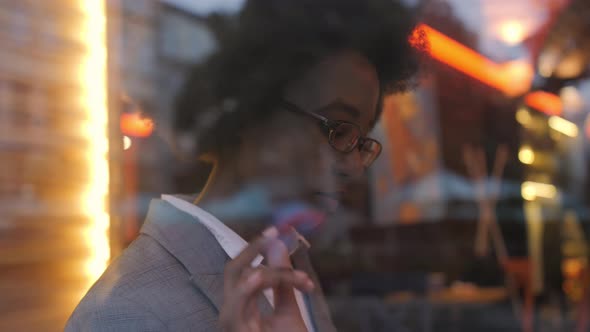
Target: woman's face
[289,155]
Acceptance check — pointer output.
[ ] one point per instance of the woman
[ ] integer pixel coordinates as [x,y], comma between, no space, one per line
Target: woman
[282,109]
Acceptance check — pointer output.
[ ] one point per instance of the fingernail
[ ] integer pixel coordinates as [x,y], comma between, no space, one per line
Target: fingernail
[310,285]
[271,232]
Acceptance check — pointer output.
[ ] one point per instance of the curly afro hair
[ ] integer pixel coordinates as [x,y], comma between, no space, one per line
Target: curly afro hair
[273,42]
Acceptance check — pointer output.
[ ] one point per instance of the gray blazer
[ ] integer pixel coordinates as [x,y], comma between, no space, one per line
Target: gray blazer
[171,279]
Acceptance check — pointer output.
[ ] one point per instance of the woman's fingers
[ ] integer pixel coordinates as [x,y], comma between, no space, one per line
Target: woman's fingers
[263,278]
[243,284]
[277,256]
[257,280]
[234,269]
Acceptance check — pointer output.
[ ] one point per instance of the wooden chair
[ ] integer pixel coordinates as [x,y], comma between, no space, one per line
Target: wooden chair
[517,271]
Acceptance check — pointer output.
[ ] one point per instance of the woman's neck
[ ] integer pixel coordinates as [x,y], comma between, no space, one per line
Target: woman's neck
[224,196]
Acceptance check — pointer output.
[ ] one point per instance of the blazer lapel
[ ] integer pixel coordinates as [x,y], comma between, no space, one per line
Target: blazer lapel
[211,285]
[195,247]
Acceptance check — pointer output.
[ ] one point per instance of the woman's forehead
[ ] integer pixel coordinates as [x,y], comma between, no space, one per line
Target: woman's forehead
[341,85]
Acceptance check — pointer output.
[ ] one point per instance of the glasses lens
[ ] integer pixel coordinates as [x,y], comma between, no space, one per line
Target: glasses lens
[345,137]
[370,150]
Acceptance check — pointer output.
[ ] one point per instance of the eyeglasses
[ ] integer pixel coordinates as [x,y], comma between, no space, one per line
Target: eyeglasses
[343,136]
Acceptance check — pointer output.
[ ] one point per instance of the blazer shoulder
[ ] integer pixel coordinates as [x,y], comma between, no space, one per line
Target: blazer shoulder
[144,285]
[117,314]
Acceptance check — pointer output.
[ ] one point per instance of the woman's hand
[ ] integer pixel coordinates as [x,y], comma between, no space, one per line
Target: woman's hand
[243,284]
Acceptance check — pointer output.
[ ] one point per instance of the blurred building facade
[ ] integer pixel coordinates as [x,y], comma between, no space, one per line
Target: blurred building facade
[53,144]
[49,243]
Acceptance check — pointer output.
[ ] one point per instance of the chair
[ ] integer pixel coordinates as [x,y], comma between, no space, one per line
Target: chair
[518,271]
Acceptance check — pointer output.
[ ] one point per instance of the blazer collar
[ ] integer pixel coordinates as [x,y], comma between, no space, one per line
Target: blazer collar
[193,245]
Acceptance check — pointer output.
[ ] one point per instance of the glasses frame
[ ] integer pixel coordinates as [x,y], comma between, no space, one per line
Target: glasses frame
[331,126]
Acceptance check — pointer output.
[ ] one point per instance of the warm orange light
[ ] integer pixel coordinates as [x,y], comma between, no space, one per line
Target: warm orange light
[563,126]
[572,267]
[545,102]
[127,142]
[526,155]
[93,77]
[571,65]
[531,190]
[512,32]
[518,76]
[462,58]
[512,78]
[133,124]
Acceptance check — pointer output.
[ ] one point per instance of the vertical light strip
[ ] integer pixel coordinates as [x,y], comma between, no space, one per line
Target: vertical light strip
[94,86]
